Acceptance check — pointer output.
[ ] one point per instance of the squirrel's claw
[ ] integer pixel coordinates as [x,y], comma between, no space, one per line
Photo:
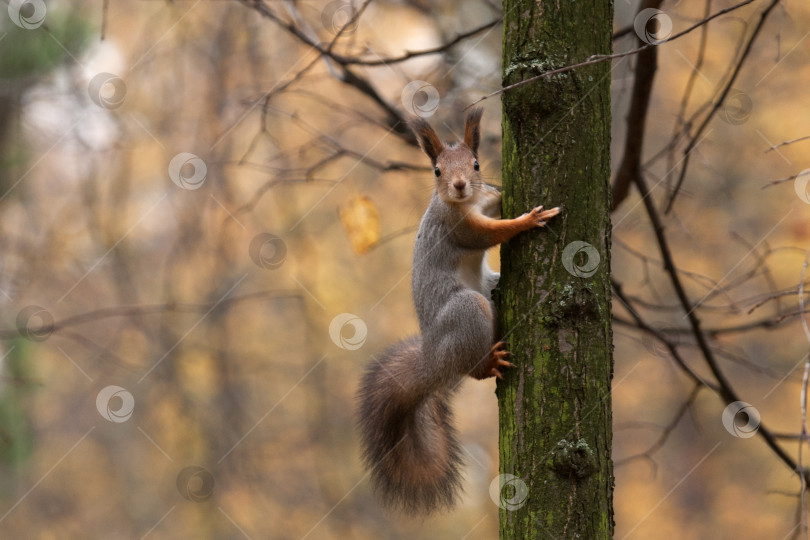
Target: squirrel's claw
[496,362]
[539,217]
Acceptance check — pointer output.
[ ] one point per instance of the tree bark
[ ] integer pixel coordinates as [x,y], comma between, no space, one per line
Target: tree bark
[554,296]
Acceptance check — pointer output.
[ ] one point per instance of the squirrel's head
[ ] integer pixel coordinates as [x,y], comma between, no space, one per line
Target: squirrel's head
[456,165]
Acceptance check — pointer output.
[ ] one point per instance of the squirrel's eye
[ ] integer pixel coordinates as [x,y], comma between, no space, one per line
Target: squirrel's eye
[475,166]
[437,172]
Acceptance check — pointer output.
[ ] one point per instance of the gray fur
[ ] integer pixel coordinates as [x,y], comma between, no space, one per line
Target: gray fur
[408,439]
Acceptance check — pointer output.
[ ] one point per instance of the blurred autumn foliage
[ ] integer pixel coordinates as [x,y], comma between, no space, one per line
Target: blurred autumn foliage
[168,368]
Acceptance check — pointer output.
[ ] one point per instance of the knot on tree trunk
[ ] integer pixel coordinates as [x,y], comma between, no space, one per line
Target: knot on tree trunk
[573,459]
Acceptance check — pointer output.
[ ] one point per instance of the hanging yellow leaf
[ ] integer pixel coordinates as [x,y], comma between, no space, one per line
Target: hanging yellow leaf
[361,220]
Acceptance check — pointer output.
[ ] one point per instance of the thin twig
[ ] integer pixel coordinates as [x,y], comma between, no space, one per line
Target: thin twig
[393,236]
[724,388]
[347,60]
[803,403]
[681,125]
[105,4]
[147,309]
[665,433]
[395,120]
[781,144]
[657,334]
[687,152]
[780,181]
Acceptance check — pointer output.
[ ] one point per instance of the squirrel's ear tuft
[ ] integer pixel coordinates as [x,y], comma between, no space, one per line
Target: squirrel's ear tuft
[472,129]
[428,139]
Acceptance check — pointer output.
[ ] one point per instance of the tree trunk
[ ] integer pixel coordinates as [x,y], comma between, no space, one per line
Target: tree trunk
[554,294]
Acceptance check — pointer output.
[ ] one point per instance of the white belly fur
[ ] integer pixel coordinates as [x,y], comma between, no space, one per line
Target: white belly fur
[475,273]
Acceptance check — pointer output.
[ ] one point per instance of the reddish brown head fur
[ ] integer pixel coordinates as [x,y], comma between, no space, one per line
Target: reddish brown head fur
[428,139]
[472,130]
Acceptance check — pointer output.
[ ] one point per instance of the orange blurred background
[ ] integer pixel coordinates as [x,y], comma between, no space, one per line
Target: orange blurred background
[231,408]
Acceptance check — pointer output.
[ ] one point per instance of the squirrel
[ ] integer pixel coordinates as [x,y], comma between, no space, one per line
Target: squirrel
[405,420]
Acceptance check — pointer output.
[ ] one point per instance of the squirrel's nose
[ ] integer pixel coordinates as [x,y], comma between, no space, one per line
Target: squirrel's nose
[460,185]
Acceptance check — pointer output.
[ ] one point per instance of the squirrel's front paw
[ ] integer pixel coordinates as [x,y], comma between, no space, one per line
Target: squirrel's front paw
[495,362]
[538,217]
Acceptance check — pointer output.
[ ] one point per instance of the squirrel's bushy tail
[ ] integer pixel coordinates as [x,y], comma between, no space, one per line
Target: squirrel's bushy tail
[409,444]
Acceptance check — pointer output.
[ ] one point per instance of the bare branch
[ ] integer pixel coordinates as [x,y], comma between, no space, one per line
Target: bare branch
[717,104]
[350,61]
[671,347]
[681,126]
[666,432]
[596,59]
[724,390]
[393,236]
[781,181]
[803,400]
[785,143]
[646,66]
[148,309]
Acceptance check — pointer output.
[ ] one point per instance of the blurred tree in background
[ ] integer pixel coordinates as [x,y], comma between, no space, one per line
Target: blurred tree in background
[206,224]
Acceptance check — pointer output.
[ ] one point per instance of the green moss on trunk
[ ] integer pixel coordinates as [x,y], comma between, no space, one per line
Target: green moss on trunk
[555,408]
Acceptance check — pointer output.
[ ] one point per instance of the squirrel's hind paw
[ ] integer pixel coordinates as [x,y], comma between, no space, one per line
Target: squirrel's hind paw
[495,362]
